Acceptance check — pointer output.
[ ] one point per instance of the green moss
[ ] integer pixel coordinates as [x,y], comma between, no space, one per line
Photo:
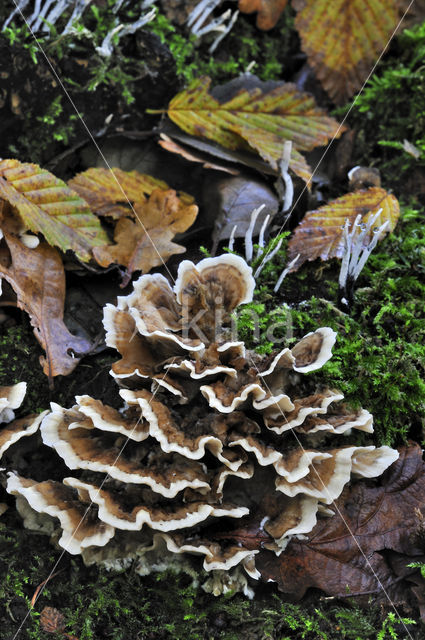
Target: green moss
[240,50]
[19,361]
[379,356]
[119,80]
[99,604]
[384,118]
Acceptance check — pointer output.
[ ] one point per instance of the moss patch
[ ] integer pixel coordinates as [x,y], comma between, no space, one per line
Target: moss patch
[19,362]
[384,118]
[118,606]
[379,356]
[268,58]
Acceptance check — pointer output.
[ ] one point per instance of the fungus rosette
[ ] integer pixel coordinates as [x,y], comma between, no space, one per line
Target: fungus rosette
[212,438]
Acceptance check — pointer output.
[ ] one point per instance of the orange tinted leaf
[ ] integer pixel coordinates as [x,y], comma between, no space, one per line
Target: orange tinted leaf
[269,11]
[145,242]
[47,205]
[344,38]
[264,120]
[38,279]
[52,620]
[107,191]
[320,232]
[140,248]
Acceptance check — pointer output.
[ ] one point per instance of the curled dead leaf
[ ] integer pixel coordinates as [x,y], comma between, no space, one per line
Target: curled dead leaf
[52,620]
[146,242]
[38,279]
[230,202]
[170,145]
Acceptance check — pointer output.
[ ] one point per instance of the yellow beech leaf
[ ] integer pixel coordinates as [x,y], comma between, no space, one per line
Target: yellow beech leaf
[106,191]
[269,11]
[47,205]
[261,119]
[344,38]
[319,234]
[145,242]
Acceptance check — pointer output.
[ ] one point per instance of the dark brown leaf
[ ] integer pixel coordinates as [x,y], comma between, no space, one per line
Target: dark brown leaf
[38,279]
[350,553]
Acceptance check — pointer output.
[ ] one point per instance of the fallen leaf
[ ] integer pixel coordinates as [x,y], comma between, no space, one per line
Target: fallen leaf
[346,554]
[108,191]
[319,234]
[254,118]
[146,242]
[269,11]
[343,39]
[229,201]
[215,152]
[47,205]
[38,279]
[158,214]
[173,147]
[52,620]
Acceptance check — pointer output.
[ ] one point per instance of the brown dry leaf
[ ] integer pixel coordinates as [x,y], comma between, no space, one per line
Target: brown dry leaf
[319,234]
[214,152]
[173,147]
[146,242]
[258,118]
[371,525]
[38,279]
[44,204]
[106,191]
[269,11]
[52,620]
[344,38]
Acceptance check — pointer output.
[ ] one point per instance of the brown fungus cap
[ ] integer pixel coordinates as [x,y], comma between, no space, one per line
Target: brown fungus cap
[82,448]
[80,526]
[134,508]
[11,399]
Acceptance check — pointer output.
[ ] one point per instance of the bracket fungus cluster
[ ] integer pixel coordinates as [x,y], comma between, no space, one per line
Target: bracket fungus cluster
[209,434]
